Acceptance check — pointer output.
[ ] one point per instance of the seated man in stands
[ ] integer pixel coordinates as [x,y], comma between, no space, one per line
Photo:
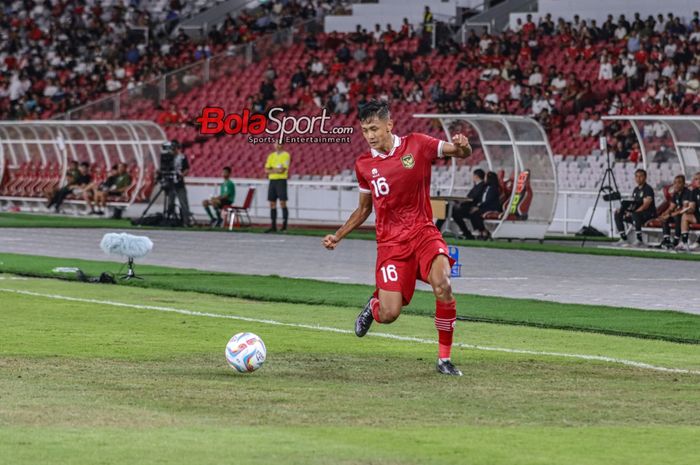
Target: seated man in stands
[692,216]
[227,195]
[116,189]
[680,205]
[490,202]
[637,211]
[90,192]
[75,186]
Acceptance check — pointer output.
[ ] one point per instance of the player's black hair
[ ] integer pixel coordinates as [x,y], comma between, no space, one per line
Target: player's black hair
[85,164]
[644,172]
[479,173]
[227,168]
[378,108]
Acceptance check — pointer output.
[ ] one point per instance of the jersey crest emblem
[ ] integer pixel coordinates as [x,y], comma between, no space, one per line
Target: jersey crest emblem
[408,161]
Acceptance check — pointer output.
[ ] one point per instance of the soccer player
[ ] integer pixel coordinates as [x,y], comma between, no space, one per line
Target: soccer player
[226,197]
[394,179]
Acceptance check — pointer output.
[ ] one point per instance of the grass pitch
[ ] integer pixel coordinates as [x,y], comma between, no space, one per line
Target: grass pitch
[118,376]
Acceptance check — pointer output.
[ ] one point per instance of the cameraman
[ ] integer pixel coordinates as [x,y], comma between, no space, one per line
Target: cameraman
[638,211]
[182,167]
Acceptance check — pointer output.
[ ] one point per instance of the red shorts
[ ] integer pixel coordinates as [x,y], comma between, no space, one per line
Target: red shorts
[399,266]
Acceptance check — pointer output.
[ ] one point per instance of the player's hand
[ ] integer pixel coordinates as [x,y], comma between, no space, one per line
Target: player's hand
[330,241]
[460,140]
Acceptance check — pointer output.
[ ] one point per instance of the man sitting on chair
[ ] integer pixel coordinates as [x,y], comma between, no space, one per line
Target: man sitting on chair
[227,195]
[116,188]
[637,211]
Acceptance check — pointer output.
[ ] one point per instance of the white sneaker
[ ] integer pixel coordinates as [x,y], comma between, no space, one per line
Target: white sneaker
[622,243]
[638,244]
[682,247]
[694,246]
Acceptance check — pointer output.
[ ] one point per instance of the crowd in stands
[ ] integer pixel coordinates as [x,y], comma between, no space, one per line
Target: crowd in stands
[56,55]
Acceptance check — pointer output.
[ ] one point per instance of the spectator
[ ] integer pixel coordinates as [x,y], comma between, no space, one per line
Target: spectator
[540,102]
[415,95]
[298,80]
[72,174]
[605,71]
[226,196]
[317,67]
[585,125]
[491,96]
[535,78]
[596,125]
[558,84]
[515,90]
[673,216]
[342,107]
[620,152]
[637,211]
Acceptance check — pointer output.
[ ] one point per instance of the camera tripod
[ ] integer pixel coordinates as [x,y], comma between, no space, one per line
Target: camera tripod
[607,184]
[172,215]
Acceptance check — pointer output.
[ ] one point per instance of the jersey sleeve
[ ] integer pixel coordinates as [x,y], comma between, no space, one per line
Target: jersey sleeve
[431,148]
[648,191]
[362,183]
[268,162]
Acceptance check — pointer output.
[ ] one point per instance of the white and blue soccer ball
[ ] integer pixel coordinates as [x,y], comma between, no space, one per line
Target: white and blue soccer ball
[246,352]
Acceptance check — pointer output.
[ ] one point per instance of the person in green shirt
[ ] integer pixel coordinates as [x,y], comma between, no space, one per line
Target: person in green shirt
[117,187]
[227,195]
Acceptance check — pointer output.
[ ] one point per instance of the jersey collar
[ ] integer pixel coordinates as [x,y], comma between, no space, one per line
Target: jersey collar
[397,142]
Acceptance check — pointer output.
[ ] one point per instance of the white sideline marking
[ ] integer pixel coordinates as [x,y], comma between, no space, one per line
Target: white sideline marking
[599,358]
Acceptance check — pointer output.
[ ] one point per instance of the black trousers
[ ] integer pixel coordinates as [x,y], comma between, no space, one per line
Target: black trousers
[674,221]
[60,196]
[460,211]
[477,220]
[636,218]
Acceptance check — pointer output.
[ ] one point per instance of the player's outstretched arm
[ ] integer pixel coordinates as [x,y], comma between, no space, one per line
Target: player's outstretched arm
[459,147]
[358,217]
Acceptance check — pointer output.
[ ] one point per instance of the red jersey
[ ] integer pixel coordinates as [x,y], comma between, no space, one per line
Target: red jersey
[399,183]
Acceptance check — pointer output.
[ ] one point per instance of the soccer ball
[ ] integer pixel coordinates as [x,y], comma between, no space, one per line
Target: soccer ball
[245,352]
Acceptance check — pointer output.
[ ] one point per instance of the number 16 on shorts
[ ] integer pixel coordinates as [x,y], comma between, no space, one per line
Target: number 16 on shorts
[389,273]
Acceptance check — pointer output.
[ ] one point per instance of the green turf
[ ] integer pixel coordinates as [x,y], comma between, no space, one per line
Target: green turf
[666,325]
[553,244]
[98,383]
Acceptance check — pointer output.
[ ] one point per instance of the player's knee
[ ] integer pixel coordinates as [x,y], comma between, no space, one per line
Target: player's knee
[442,288]
[389,313]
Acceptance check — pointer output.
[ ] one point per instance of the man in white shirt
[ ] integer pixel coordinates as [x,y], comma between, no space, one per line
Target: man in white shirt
[596,125]
[535,78]
[605,72]
[558,84]
[515,90]
[586,125]
[492,96]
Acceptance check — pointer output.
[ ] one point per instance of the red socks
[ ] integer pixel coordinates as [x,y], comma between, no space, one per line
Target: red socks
[445,317]
[374,305]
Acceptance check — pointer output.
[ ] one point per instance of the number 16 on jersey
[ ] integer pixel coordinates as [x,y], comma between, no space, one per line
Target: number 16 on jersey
[381,187]
[389,273]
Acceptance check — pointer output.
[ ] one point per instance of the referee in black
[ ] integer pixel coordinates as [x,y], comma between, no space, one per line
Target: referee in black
[277,169]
